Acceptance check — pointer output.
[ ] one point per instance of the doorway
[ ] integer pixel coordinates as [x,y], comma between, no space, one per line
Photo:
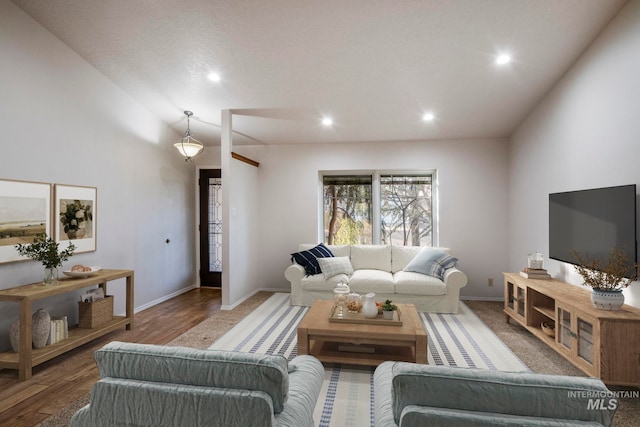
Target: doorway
[210,183]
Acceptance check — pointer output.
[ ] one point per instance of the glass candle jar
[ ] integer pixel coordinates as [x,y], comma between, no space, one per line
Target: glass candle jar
[535,261]
[340,294]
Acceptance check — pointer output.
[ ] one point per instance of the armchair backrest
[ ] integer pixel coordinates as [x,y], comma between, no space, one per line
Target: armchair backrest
[512,393]
[188,366]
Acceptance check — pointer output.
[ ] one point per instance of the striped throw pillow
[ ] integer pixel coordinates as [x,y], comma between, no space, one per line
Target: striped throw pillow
[432,262]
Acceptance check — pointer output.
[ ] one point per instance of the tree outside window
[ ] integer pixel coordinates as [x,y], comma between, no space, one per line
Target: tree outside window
[347,210]
[404,208]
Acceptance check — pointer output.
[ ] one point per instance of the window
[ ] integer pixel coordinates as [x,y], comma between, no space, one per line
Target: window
[347,209]
[405,210]
[382,208]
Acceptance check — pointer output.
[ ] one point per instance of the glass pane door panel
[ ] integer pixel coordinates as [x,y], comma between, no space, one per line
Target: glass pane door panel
[564,337]
[511,298]
[520,300]
[585,340]
[215,224]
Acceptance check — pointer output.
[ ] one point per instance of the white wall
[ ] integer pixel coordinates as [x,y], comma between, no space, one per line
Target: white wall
[243,229]
[472,179]
[240,217]
[64,122]
[584,134]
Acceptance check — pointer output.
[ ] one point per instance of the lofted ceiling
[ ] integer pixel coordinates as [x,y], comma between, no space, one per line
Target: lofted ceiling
[374,66]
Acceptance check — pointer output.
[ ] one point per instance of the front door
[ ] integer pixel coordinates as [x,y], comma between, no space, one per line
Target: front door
[210,227]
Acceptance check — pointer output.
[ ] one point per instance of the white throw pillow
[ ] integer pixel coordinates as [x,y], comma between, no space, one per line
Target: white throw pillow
[335,265]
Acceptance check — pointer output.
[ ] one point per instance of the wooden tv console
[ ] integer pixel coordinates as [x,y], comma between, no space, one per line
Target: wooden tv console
[603,344]
[27,357]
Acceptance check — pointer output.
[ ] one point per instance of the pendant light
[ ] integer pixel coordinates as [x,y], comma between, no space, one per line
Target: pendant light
[189,147]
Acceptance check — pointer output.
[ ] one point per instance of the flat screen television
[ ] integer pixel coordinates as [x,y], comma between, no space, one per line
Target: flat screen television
[592,222]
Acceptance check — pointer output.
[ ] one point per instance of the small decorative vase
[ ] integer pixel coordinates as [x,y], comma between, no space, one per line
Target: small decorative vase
[14,335]
[369,308]
[41,324]
[50,276]
[388,315]
[607,300]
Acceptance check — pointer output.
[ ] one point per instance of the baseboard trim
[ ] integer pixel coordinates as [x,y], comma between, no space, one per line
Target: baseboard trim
[481,298]
[162,299]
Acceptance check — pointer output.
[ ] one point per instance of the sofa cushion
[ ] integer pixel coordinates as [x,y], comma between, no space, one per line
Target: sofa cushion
[372,257]
[317,282]
[364,281]
[340,250]
[309,258]
[124,402]
[402,255]
[410,283]
[335,265]
[431,261]
[188,366]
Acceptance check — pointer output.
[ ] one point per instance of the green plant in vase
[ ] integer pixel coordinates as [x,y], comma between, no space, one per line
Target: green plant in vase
[45,250]
[388,308]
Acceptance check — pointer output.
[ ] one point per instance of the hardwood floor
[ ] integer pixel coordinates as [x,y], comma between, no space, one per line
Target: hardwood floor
[61,381]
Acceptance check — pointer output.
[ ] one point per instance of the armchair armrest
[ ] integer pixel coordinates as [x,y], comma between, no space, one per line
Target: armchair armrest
[455,278]
[306,374]
[294,273]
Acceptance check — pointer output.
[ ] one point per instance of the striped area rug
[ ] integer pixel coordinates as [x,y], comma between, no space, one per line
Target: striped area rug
[346,397]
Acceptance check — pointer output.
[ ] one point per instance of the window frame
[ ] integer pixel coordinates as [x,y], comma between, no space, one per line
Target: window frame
[376,232]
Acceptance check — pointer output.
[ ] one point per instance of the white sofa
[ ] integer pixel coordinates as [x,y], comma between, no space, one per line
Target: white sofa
[379,269]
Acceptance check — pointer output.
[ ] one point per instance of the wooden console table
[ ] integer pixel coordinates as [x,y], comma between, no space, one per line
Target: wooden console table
[27,357]
[601,343]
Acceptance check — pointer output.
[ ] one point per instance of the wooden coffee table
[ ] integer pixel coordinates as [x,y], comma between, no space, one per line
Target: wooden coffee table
[362,344]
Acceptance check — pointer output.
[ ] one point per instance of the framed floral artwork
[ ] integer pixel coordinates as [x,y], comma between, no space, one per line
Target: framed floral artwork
[25,212]
[75,209]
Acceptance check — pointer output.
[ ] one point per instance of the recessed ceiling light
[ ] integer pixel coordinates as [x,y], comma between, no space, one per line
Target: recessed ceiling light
[327,121]
[214,77]
[428,117]
[503,59]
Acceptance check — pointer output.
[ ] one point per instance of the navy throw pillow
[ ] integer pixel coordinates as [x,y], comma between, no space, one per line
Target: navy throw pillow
[308,259]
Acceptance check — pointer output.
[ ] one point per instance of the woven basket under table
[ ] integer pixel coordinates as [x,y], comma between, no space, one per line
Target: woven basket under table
[97,313]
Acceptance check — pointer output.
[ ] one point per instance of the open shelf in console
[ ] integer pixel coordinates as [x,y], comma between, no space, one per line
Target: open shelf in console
[542,312]
[543,305]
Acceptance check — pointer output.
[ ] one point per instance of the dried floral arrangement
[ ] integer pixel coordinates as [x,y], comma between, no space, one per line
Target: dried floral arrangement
[612,276]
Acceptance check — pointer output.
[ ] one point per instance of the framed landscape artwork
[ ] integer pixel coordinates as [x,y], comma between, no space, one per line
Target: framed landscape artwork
[75,216]
[25,212]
